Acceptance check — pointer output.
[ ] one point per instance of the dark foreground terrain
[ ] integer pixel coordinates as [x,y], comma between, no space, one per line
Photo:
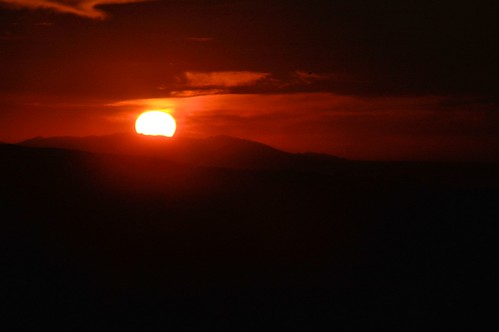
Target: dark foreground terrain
[113,242]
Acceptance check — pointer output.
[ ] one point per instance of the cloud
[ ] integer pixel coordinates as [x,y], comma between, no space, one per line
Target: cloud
[83,8]
[224,78]
[232,80]
[309,77]
[197,92]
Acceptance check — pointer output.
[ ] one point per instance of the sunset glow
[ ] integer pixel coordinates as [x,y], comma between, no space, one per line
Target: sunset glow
[281,165]
[156,123]
[344,78]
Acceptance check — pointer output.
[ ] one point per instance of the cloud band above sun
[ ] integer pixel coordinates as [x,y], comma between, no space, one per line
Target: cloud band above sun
[194,83]
[224,78]
[83,8]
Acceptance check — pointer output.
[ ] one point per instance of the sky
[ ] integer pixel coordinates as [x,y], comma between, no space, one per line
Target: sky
[376,80]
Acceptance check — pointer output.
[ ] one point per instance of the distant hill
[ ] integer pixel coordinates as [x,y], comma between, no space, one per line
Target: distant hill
[216,151]
[235,153]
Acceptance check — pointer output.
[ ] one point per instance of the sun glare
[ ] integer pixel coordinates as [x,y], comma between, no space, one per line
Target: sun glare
[157,123]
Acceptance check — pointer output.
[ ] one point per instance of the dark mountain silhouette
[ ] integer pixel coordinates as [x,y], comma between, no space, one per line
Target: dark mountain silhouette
[218,151]
[235,153]
[95,241]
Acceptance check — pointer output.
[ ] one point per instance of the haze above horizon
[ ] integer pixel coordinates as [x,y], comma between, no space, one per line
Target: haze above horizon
[361,80]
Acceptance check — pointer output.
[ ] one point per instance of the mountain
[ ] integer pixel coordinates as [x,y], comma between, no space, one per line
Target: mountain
[234,153]
[141,242]
[217,151]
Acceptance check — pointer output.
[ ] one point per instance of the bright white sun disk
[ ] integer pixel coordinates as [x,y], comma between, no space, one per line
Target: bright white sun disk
[157,123]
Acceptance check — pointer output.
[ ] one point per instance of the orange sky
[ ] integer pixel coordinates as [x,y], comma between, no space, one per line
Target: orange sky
[347,126]
[355,79]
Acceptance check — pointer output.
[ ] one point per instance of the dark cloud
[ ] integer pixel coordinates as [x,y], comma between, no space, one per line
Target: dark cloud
[367,48]
[84,8]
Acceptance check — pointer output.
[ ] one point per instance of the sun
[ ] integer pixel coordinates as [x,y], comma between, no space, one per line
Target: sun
[157,123]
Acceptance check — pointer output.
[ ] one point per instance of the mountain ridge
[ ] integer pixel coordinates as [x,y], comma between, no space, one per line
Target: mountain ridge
[213,151]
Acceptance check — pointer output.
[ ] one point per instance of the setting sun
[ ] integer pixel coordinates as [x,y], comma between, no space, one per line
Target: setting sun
[157,123]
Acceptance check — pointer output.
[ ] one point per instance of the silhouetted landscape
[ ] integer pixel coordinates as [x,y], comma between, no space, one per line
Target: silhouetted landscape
[217,151]
[133,232]
[263,165]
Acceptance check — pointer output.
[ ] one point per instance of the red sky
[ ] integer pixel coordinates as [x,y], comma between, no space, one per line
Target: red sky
[362,80]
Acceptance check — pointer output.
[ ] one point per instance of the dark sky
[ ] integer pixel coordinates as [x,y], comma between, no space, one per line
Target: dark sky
[360,79]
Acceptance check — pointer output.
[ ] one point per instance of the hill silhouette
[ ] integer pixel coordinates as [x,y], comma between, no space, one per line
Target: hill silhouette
[142,242]
[217,151]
